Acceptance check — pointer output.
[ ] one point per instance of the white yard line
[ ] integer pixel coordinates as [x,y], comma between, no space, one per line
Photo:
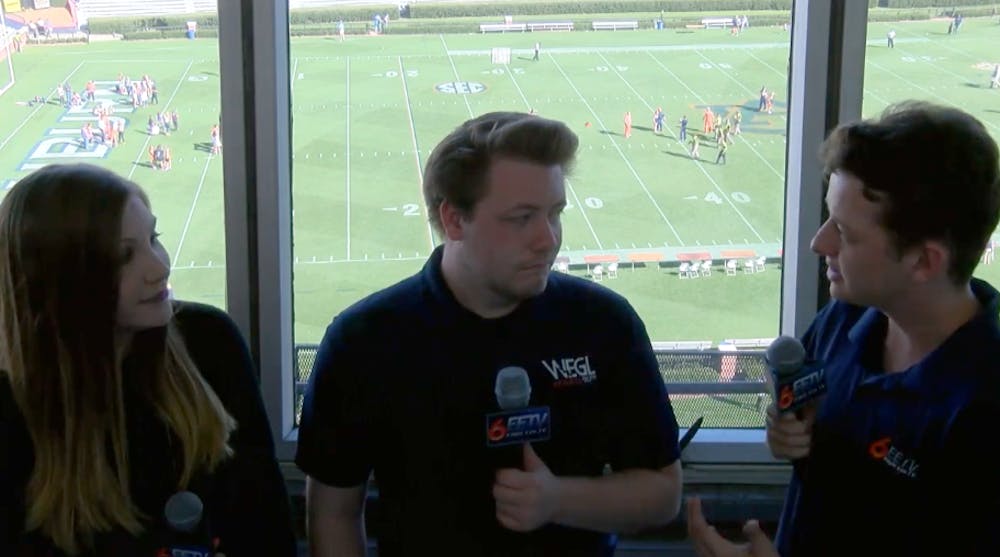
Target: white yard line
[347,165]
[784,77]
[37,108]
[943,99]
[569,185]
[778,173]
[145,144]
[454,69]
[416,147]
[614,143]
[194,204]
[700,164]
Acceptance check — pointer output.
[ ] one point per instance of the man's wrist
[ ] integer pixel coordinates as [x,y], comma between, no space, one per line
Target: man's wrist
[559,512]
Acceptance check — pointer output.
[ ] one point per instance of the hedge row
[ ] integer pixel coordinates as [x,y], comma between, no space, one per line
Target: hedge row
[319,16]
[130,25]
[971,12]
[580,23]
[312,16]
[322,21]
[898,14]
[351,28]
[168,34]
[458,9]
[931,3]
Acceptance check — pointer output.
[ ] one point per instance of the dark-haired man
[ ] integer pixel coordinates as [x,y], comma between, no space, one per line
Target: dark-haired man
[896,459]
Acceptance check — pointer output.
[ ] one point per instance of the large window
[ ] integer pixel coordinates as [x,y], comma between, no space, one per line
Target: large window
[676,201]
[369,105]
[142,108]
[947,60]
[353,120]
[367,110]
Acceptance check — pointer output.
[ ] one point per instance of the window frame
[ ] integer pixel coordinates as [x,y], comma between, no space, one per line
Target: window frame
[825,87]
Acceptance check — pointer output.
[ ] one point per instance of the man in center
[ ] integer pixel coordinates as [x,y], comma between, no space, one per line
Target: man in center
[405,381]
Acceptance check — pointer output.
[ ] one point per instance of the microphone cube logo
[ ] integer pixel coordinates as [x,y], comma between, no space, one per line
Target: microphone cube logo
[525,425]
[189,552]
[797,390]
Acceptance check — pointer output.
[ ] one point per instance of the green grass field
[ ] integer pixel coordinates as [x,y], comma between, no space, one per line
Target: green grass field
[368,111]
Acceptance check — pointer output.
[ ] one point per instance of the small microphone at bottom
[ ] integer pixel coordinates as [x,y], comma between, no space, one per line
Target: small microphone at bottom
[188,534]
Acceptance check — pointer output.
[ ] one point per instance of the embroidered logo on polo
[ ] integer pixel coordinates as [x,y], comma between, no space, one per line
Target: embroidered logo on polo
[567,372]
[883,450]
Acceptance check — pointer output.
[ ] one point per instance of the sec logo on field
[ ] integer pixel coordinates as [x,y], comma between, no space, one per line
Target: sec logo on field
[460,87]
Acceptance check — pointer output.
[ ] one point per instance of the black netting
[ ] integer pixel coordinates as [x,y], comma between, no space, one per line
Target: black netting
[726,388]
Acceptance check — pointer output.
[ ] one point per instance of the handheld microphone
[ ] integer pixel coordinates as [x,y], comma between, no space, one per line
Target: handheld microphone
[797,382]
[516,423]
[512,388]
[188,537]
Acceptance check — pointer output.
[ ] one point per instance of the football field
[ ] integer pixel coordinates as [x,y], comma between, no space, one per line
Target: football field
[367,112]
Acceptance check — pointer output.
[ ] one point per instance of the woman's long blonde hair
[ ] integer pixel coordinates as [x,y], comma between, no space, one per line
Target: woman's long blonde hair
[60,230]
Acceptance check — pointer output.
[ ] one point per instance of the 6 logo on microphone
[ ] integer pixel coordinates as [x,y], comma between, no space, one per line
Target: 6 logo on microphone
[525,425]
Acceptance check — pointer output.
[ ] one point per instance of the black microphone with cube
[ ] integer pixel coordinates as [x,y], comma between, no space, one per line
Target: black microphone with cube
[797,380]
[516,423]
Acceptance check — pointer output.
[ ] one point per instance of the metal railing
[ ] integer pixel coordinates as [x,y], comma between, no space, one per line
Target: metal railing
[726,388]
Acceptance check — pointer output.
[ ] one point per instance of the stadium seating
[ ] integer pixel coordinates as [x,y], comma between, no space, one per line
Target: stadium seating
[550,26]
[502,27]
[720,22]
[615,25]
[126,8]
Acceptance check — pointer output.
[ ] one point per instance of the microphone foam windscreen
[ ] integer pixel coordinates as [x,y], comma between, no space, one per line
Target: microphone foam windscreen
[183,511]
[513,388]
[786,355]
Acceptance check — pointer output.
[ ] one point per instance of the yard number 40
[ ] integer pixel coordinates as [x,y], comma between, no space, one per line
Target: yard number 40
[737,196]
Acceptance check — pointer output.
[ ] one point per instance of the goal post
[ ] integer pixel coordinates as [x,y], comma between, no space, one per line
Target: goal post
[7,49]
[501,55]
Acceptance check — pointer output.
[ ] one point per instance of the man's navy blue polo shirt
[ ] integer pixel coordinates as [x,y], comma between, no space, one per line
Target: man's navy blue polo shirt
[901,463]
[403,382]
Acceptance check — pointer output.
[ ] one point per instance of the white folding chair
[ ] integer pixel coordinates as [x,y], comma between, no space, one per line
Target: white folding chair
[682,271]
[748,266]
[612,270]
[562,266]
[759,264]
[731,267]
[598,273]
[706,268]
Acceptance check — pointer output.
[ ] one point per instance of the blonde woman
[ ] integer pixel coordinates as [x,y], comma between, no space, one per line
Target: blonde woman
[113,397]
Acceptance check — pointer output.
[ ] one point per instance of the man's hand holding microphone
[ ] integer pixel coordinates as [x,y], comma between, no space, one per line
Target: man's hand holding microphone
[525,490]
[796,384]
[526,498]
